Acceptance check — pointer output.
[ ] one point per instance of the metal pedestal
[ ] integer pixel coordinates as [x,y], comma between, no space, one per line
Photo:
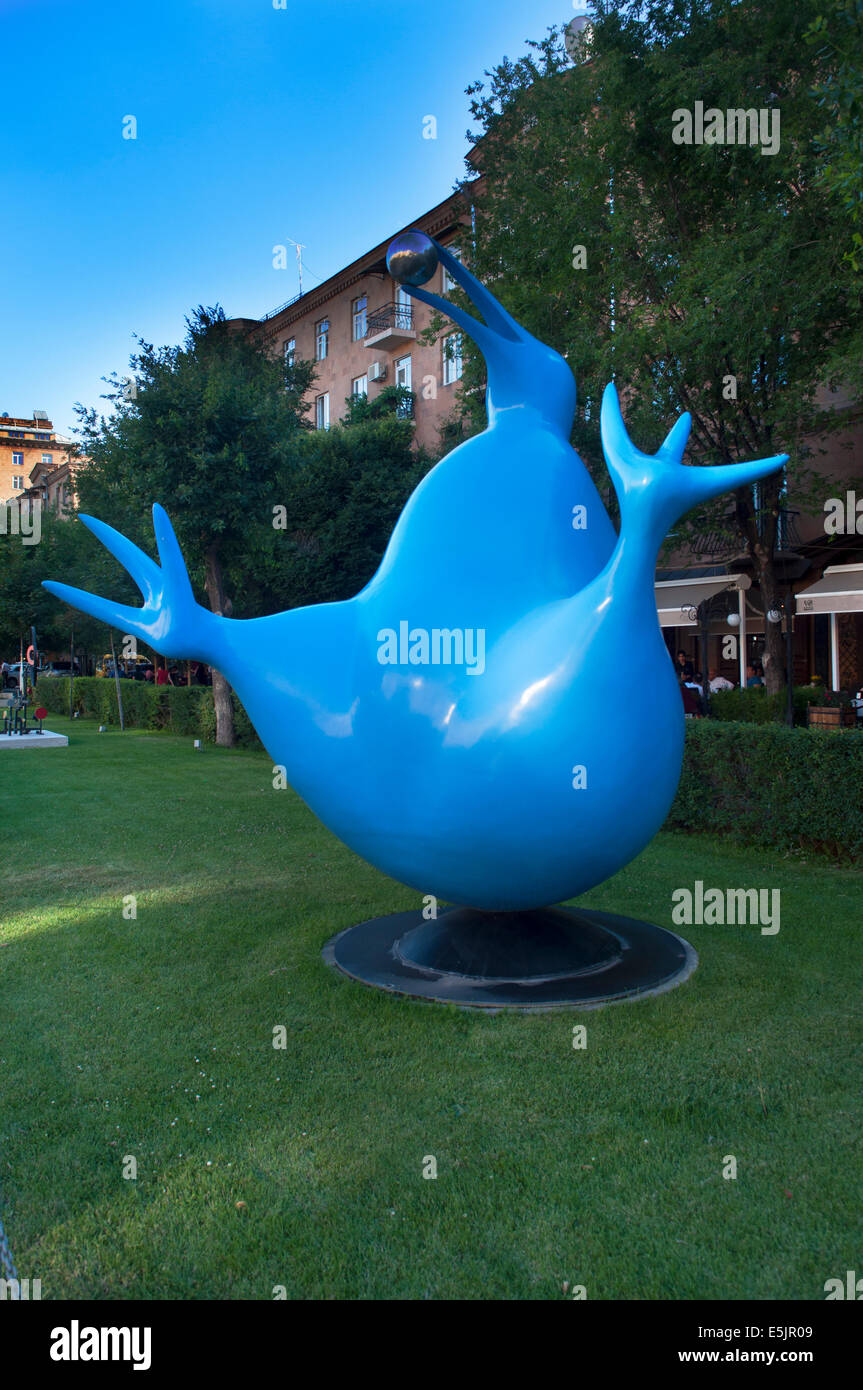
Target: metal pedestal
[554,957]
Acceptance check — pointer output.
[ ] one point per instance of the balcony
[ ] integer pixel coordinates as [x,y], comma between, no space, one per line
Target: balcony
[727,542]
[389,327]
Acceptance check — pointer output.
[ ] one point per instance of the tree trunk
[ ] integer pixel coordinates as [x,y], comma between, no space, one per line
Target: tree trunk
[221,604]
[774,643]
[761,530]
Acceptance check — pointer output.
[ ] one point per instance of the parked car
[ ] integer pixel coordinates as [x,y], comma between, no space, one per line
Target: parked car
[60,668]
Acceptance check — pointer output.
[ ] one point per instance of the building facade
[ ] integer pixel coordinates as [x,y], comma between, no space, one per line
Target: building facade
[364,333]
[35,461]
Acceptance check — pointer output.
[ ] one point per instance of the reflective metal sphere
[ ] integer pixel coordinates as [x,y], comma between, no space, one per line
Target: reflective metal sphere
[412,258]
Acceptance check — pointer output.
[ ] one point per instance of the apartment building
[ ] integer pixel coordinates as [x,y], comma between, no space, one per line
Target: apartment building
[35,461]
[364,333]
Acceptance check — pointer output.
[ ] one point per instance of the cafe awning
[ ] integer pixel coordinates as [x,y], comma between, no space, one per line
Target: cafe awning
[839,591]
[677,600]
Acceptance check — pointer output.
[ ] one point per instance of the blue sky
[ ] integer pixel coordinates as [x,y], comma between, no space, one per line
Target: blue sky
[254,125]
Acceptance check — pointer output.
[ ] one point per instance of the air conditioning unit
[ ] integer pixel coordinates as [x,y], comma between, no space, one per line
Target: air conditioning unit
[378,371]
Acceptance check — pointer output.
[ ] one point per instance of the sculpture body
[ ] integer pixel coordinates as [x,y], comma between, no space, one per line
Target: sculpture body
[531,769]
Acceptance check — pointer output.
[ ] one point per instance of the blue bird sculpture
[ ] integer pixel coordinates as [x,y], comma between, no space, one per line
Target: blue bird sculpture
[456,723]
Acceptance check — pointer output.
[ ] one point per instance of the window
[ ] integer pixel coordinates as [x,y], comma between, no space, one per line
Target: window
[322,411]
[403,379]
[290,351]
[322,339]
[17,460]
[447,282]
[404,310]
[403,372]
[360,385]
[17,482]
[49,459]
[452,358]
[360,317]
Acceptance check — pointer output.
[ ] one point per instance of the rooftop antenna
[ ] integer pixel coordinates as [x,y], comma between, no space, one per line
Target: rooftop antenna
[300,248]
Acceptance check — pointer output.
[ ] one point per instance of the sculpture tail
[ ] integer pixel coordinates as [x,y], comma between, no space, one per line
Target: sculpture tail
[655,489]
[171,622]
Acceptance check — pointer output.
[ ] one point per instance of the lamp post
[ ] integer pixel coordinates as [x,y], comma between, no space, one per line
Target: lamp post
[117,680]
[704,614]
[789,567]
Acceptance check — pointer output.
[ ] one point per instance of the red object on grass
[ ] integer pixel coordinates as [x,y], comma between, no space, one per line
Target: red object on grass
[40,713]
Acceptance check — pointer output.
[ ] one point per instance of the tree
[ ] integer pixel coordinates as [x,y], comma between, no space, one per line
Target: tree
[24,602]
[702,277]
[837,33]
[208,429]
[341,497]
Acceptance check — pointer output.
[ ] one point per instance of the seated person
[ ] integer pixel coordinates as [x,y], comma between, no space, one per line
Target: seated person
[718,682]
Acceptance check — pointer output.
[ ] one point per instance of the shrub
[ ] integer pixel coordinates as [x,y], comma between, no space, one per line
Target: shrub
[756,782]
[768,784]
[53,694]
[184,710]
[755,706]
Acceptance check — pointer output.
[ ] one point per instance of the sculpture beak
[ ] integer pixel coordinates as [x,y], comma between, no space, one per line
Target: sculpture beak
[499,327]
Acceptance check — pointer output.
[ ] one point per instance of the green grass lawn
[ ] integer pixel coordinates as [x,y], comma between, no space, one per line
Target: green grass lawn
[303,1167]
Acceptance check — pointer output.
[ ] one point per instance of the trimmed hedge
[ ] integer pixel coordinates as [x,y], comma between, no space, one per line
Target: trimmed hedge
[755,706]
[759,783]
[185,710]
[768,784]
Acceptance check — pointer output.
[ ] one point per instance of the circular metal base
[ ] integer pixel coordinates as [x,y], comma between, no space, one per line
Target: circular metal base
[553,957]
